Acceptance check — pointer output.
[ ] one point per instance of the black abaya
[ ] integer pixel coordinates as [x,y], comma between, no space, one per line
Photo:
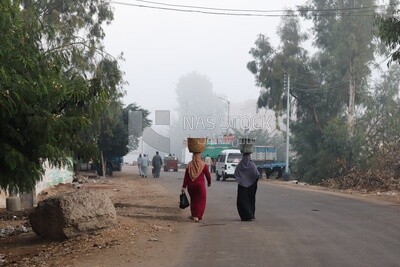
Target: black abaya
[246,201]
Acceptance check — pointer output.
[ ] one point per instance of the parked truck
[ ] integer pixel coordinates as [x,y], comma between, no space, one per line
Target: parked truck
[265,158]
[213,150]
[170,163]
[117,163]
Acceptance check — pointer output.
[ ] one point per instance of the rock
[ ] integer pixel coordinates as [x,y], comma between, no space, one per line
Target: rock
[8,230]
[72,214]
[3,261]
[80,179]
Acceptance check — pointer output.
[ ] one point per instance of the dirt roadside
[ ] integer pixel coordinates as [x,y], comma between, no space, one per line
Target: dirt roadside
[149,221]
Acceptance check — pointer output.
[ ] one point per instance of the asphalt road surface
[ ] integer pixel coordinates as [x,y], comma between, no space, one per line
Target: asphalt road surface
[292,228]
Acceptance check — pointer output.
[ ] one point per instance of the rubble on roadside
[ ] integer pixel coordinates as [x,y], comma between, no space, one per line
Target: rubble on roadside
[370,181]
[382,176]
[10,230]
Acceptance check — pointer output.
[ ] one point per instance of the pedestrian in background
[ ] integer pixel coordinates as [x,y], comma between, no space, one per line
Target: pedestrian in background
[144,164]
[208,161]
[157,163]
[138,162]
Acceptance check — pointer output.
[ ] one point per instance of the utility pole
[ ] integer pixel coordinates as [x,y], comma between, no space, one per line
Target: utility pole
[229,108]
[287,125]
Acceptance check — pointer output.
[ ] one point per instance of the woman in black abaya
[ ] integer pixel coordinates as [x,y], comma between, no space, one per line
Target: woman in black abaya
[246,175]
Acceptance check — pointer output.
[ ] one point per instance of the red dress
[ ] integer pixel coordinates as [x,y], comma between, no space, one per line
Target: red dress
[197,191]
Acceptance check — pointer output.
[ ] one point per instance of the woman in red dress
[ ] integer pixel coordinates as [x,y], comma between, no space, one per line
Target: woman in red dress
[194,180]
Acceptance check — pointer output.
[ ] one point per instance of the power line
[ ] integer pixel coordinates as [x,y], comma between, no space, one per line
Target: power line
[201,11]
[261,11]
[211,8]
[228,12]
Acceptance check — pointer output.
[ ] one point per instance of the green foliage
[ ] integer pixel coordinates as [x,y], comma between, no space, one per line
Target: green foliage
[30,88]
[321,85]
[113,135]
[56,81]
[331,156]
[389,30]
[72,29]
[382,118]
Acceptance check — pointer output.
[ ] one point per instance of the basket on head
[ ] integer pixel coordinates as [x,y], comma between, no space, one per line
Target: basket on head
[247,145]
[196,145]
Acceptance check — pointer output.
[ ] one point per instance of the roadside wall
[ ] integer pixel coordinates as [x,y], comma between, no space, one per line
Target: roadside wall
[52,176]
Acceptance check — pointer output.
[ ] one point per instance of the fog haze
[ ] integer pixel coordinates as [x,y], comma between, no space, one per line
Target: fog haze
[160,46]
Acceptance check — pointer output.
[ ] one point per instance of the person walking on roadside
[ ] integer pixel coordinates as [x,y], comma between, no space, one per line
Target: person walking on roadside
[208,161]
[246,175]
[138,162]
[157,163]
[144,164]
[195,176]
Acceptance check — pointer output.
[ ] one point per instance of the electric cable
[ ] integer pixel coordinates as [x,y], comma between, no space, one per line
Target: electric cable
[254,13]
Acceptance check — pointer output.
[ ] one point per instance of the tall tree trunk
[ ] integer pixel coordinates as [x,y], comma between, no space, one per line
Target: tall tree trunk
[315,119]
[103,164]
[351,106]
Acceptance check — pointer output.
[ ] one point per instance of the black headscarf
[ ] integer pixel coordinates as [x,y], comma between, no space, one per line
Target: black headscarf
[246,172]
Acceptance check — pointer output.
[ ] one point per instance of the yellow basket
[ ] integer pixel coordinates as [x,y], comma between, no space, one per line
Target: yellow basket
[196,145]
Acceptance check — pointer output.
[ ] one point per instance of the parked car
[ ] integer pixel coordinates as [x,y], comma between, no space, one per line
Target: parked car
[226,163]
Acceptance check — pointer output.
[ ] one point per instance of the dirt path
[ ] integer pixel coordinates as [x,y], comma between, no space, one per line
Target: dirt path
[151,230]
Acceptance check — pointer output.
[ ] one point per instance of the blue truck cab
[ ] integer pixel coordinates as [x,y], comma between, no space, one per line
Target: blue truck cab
[265,158]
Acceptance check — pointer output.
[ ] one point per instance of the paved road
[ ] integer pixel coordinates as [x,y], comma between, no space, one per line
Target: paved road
[292,228]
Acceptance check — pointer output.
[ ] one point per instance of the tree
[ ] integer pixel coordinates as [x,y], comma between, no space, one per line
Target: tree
[71,30]
[271,65]
[326,87]
[346,38]
[389,30]
[55,80]
[382,118]
[31,86]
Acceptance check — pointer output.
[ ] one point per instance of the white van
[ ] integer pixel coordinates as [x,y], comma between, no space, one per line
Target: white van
[226,163]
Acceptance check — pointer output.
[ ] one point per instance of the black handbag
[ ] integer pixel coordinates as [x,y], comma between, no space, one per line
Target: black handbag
[183,201]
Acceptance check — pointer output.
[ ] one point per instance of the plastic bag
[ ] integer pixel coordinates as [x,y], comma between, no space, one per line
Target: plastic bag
[183,201]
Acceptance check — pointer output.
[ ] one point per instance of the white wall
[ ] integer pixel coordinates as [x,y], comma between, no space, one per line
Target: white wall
[52,176]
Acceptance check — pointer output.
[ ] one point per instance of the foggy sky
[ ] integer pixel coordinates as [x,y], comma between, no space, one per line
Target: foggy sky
[161,46]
